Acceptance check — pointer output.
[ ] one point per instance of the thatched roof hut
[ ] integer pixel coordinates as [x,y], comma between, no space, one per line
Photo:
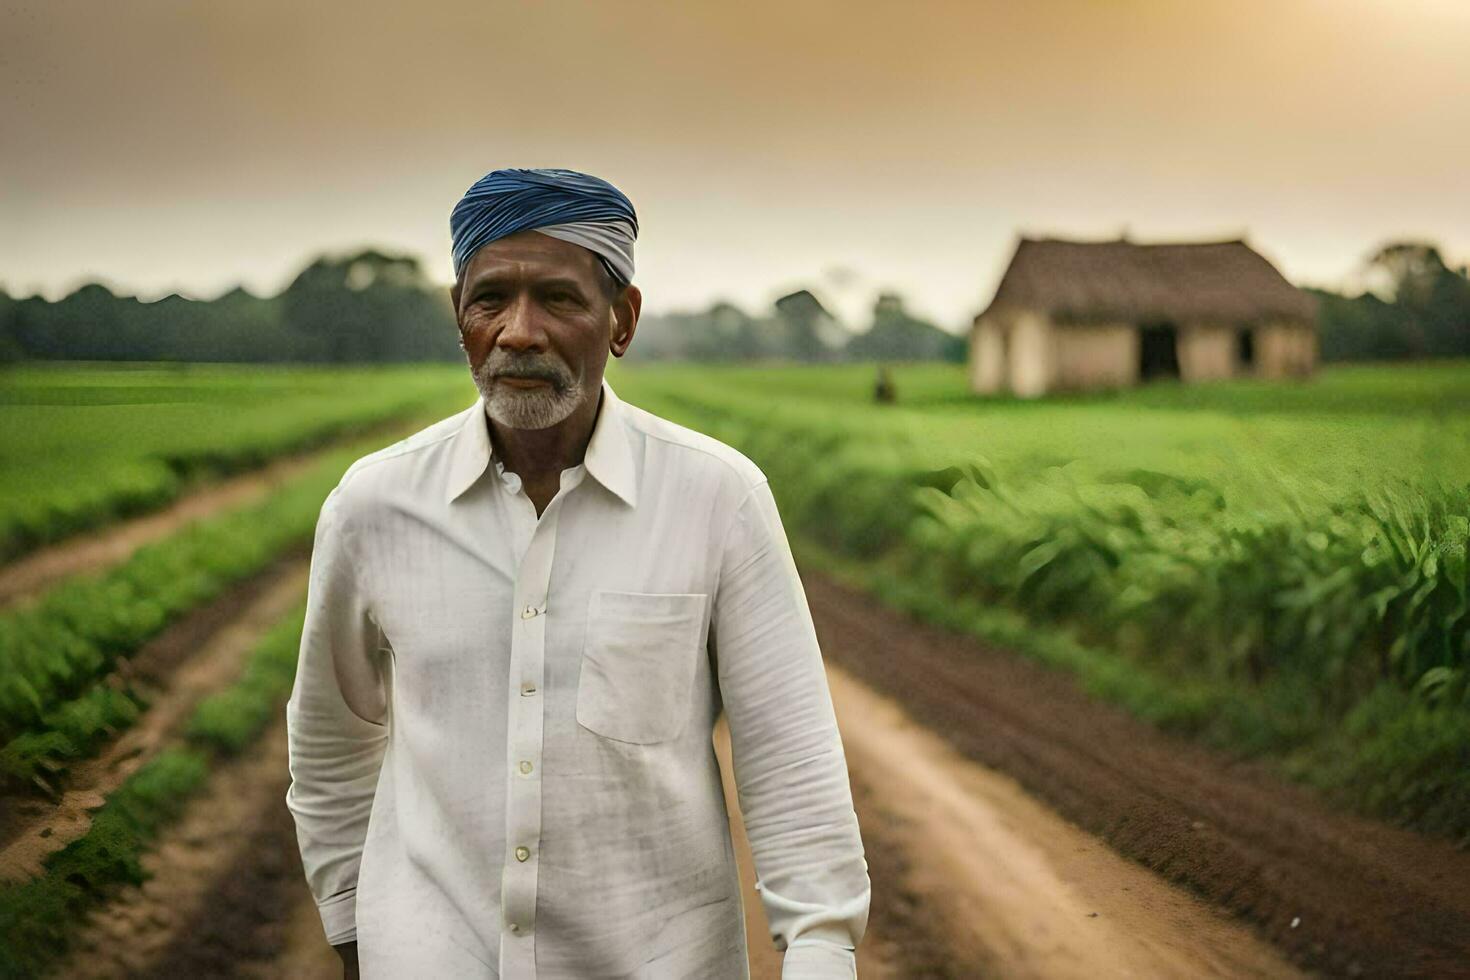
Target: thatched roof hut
[1071,314]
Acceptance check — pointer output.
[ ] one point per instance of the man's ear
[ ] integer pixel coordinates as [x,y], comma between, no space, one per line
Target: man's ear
[625,310]
[454,293]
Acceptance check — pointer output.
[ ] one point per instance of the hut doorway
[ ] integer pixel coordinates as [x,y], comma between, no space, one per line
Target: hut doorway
[1245,350]
[1158,351]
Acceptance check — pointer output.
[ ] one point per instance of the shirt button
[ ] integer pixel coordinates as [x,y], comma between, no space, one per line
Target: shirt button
[528,690]
[514,927]
[525,768]
[523,853]
[528,612]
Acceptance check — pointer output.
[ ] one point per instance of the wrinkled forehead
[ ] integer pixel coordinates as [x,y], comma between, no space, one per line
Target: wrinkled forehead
[530,255]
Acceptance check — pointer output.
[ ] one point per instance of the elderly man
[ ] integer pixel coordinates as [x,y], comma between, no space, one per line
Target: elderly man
[522,624]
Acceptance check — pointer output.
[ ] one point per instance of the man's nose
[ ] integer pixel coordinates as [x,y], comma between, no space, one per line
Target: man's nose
[520,328]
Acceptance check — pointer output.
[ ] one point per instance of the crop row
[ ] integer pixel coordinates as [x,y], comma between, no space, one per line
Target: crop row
[37,917]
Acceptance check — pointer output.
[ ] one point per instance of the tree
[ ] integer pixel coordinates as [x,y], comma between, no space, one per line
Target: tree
[10,346]
[1433,296]
[808,331]
[368,306]
[897,335]
[1411,269]
[1424,310]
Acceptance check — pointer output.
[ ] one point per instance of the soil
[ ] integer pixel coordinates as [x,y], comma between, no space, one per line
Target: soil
[993,883]
[1337,893]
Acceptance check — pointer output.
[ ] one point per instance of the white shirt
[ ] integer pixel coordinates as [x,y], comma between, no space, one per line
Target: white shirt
[500,730]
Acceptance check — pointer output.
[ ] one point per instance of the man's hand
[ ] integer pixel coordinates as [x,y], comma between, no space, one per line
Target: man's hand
[348,952]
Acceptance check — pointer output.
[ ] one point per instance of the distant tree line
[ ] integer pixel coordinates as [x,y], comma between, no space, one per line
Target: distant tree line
[798,327]
[1425,311]
[367,306]
[375,306]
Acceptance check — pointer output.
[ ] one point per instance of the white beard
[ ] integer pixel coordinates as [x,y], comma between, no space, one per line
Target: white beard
[528,408]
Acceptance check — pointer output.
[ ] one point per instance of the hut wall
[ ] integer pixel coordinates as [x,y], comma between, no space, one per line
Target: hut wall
[1032,355]
[1286,350]
[1096,355]
[987,357]
[1207,352]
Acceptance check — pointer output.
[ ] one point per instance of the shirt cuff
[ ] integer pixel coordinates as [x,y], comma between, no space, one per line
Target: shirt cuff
[816,959]
[339,918]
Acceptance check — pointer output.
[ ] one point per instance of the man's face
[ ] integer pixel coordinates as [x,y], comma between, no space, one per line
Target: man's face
[537,320]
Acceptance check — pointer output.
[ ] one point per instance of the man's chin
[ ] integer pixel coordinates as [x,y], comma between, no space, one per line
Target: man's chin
[527,408]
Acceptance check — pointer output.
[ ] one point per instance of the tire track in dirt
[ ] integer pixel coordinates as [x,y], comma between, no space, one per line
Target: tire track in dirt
[1338,893]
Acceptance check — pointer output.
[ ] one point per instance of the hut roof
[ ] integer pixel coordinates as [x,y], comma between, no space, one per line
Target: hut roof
[1123,280]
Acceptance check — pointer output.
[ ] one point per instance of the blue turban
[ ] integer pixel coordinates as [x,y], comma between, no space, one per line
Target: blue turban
[574,207]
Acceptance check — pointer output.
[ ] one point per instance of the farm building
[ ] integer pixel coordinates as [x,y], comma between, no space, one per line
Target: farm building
[1071,315]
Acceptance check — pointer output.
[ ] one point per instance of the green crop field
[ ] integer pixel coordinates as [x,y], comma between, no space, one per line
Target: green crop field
[83,445]
[1276,568]
[1260,443]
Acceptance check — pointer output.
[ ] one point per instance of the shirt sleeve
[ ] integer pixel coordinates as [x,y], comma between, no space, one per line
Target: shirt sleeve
[790,771]
[335,746]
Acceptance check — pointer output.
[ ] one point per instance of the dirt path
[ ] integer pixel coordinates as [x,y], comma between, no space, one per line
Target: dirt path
[1337,893]
[1019,891]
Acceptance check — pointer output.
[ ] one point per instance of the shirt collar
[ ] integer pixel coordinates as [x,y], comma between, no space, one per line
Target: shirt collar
[609,457]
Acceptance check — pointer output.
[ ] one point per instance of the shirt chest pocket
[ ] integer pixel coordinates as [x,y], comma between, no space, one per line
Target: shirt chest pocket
[638,663]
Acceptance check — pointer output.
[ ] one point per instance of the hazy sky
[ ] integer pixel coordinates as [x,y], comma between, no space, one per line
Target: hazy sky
[188,146]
